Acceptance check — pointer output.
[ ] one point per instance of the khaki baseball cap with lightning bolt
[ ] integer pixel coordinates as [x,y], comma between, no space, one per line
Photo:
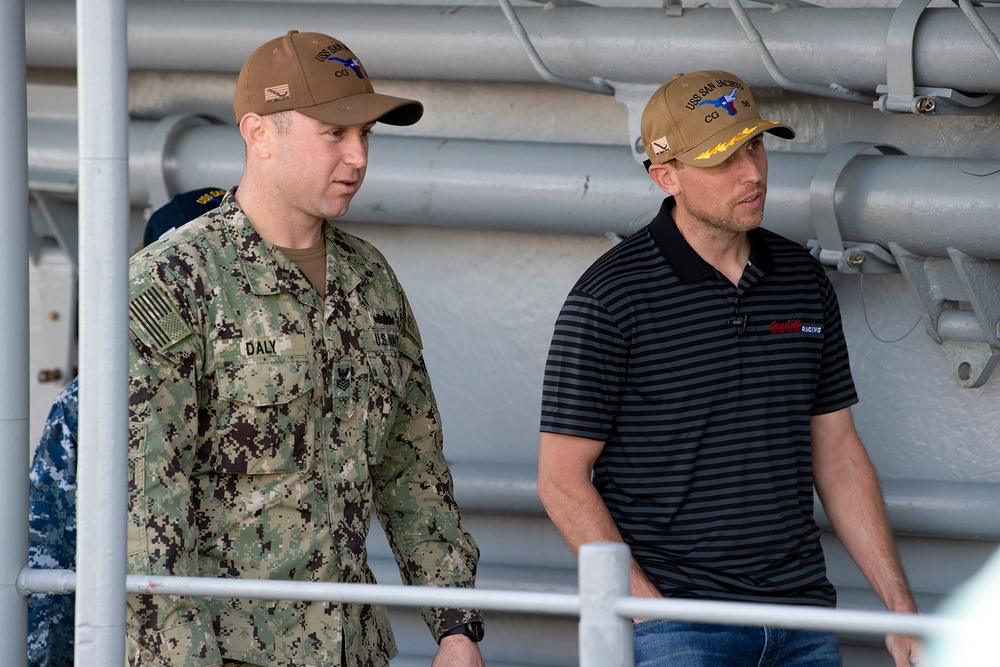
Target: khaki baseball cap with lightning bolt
[702,118]
[316,75]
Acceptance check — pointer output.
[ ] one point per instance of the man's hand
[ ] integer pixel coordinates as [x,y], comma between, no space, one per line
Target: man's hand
[458,651]
[906,651]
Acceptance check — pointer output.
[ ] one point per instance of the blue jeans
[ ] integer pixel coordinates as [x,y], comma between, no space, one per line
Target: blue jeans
[660,643]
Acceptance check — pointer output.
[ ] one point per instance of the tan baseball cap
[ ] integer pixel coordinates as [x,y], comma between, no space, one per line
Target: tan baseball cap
[316,75]
[702,118]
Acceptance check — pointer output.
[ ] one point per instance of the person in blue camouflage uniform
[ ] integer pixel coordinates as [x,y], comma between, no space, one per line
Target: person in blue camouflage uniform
[52,495]
[52,531]
[279,397]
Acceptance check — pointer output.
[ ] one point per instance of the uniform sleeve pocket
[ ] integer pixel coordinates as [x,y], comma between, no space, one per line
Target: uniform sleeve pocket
[388,367]
[263,422]
[389,371]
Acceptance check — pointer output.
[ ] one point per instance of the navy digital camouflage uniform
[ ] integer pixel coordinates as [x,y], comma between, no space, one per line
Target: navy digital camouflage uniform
[266,424]
[52,530]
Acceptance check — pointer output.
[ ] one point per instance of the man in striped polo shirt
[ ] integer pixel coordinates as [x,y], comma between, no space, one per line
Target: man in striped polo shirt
[698,386]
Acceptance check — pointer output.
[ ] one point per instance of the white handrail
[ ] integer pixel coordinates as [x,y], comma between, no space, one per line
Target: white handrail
[603,605]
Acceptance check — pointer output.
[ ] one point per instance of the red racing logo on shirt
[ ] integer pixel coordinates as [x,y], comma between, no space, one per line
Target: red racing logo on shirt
[793,326]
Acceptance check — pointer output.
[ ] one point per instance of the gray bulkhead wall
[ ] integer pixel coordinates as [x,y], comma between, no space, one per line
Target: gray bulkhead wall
[494,203]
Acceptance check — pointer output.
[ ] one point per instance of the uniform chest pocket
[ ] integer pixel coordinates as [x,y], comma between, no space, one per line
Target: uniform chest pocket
[263,422]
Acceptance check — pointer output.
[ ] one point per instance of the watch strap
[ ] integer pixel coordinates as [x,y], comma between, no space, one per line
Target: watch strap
[474,630]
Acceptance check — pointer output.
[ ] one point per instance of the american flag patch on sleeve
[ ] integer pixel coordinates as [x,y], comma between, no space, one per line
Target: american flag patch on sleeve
[152,313]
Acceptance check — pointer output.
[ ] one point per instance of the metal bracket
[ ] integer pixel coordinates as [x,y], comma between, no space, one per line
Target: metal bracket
[829,247]
[856,258]
[673,7]
[960,302]
[899,94]
[54,218]
[634,96]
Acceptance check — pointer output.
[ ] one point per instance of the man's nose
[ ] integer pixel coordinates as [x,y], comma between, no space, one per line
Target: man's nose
[356,151]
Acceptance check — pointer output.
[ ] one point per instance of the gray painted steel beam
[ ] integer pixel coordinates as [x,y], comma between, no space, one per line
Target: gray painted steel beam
[14,390]
[102,466]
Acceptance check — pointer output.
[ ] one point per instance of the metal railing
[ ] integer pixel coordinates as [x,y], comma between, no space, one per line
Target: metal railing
[603,604]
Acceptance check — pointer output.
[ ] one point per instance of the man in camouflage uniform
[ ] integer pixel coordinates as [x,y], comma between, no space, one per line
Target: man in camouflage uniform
[278,395]
[52,495]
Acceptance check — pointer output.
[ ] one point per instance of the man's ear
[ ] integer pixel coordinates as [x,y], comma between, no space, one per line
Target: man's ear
[255,134]
[665,177]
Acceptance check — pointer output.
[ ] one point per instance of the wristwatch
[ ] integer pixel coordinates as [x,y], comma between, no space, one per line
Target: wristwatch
[474,630]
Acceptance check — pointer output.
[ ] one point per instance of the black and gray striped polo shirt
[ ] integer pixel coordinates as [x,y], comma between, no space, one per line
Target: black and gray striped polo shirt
[703,391]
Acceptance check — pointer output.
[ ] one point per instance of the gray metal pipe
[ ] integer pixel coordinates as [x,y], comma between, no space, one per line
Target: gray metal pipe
[497,488]
[926,205]
[923,204]
[14,390]
[817,45]
[963,510]
[960,325]
[102,467]
[938,509]
[934,508]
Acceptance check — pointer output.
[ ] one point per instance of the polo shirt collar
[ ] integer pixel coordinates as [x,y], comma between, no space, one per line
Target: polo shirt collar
[688,264]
